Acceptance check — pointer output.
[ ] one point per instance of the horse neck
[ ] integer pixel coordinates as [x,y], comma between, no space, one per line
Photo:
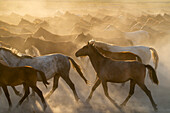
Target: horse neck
[9,58]
[34,42]
[96,59]
[45,34]
[25,61]
[38,44]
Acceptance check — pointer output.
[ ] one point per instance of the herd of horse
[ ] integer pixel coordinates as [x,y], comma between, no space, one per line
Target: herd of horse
[116,67]
[117,60]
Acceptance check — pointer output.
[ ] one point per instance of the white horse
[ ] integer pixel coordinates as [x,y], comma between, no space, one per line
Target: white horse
[137,37]
[54,65]
[33,51]
[142,51]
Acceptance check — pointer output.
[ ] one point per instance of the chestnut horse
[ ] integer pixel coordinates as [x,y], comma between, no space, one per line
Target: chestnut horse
[109,70]
[13,76]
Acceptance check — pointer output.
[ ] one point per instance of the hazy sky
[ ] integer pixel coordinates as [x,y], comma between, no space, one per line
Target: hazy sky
[98,0]
[47,6]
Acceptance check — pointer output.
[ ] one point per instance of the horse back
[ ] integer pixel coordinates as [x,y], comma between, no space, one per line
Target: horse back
[17,75]
[124,55]
[121,71]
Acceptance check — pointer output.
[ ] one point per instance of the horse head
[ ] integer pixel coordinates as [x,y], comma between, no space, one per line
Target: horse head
[84,51]
[28,42]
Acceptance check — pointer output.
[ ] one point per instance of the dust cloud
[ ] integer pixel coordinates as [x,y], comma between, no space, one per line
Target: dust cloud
[62,100]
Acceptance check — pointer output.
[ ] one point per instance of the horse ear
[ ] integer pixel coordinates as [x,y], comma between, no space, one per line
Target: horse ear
[89,44]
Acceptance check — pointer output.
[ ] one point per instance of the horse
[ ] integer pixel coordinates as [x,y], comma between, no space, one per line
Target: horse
[49,47]
[143,52]
[83,39]
[16,92]
[14,41]
[52,37]
[138,36]
[33,51]
[109,70]
[4,44]
[53,65]
[125,55]
[26,75]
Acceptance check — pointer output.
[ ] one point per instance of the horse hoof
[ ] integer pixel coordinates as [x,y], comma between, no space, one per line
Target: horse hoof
[19,94]
[80,102]
[155,109]
[45,106]
[47,97]
[77,100]
[87,100]
[17,105]
[32,95]
[9,109]
[122,105]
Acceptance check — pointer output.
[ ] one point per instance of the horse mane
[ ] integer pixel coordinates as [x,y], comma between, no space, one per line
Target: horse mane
[97,51]
[101,44]
[15,52]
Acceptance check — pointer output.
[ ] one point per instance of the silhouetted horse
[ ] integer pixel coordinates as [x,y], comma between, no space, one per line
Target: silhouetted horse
[109,70]
[52,37]
[28,76]
[49,47]
[14,41]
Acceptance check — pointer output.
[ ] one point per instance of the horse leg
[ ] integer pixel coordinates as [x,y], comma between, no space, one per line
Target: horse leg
[33,93]
[104,84]
[16,92]
[93,89]
[0,91]
[123,84]
[148,93]
[27,92]
[39,92]
[7,96]
[55,85]
[71,85]
[131,92]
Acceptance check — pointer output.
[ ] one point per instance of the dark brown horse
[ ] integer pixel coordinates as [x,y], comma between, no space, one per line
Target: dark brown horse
[125,55]
[48,47]
[15,90]
[109,70]
[13,76]
[83,39]
[53,37]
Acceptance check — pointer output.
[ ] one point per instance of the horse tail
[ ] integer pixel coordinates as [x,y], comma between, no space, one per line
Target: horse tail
[138,58]
[155,57]
[44,79]
[152,74]
[77,67]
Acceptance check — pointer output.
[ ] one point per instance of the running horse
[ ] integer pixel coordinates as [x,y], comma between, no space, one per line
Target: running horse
[53,65]
[143,52]
[13,76]
[109,70]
